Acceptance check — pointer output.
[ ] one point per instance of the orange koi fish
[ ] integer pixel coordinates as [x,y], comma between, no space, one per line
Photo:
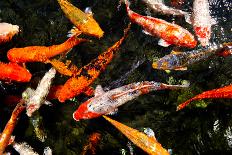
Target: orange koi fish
[169,33]
[84,22]
[14,72]
[41,53]
[224,92]
[6,134]
[7,31]
[94,139]
[146,143]
[87,74]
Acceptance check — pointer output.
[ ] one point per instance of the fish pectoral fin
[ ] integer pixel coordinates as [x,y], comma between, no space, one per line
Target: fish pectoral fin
[99,90]
[89,91]
[188,18]
[213,21]
[115,111]
[147,33]
[181,68]
[74,32]
[48,103]
[88,11]
[163,43]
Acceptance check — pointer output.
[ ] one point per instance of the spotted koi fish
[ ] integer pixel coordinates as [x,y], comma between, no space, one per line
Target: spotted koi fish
[181,60]
[146,143]
[224,92]
[14,72]
[84,22]
[108,102]
[169,33]
[7,31]
[202,21]
[87,74]
[41,53]
[6,134]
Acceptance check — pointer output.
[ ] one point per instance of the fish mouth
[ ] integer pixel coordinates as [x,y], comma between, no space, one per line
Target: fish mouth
[76,116]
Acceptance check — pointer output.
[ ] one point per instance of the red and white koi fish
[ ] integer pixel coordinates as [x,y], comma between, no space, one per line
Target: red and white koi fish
[14,72]
[37,97]
[168,32]
[202,21]
[107,102]
[7,31]
[160,7]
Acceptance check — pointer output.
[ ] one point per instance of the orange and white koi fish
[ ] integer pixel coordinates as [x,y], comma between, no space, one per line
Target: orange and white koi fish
[202,21]
[87,74]
[6,134]
[160,7]
[146,143]
[41,53]
[84,22]
[224,92]
[14,72]
[108,102]
[169,33]
[7,31]
[37,97]
[181,60]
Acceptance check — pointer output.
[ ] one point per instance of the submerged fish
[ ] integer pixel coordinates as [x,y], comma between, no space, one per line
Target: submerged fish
[37,97]
[41,53]
[160,7]
[169,33]
[84,22]
[9,128]
[224,92]
[146,143]
[87,74]
[7,31]
[181,60]
[202,21]
[90,147]
[108,102]
[14,72]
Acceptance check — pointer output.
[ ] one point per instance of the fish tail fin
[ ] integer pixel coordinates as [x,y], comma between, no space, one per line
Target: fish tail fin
[74,32]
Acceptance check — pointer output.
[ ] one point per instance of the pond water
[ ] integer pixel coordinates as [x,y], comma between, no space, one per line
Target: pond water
[203,127]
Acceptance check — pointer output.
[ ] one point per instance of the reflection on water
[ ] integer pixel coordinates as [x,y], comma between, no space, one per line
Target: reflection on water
[191,131]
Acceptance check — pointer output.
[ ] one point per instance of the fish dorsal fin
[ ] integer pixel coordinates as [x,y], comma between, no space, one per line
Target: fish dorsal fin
[163,43]
[175,52]
[147,33]
[99,90]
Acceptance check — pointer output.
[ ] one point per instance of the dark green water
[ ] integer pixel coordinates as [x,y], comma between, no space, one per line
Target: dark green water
[195,130]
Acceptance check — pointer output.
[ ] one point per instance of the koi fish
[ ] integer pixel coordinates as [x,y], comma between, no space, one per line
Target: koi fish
[24,148]
[94,139]
[108,102]
[146,143]
[159,6]
[181,60]
[224,92]
[14,72]
[84,22]
[87,74]
[202,21]
[169,33]
[7,31]
[6,134]
[41,53]
[37,97]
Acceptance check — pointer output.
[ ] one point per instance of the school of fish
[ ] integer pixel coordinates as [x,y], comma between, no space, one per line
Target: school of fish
[101,102]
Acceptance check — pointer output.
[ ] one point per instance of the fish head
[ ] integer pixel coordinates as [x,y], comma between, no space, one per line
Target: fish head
[84,113]
[19,73]
[203,34]
[91,27]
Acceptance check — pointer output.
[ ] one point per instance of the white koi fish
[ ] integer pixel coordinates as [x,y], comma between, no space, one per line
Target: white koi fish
[108,102]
